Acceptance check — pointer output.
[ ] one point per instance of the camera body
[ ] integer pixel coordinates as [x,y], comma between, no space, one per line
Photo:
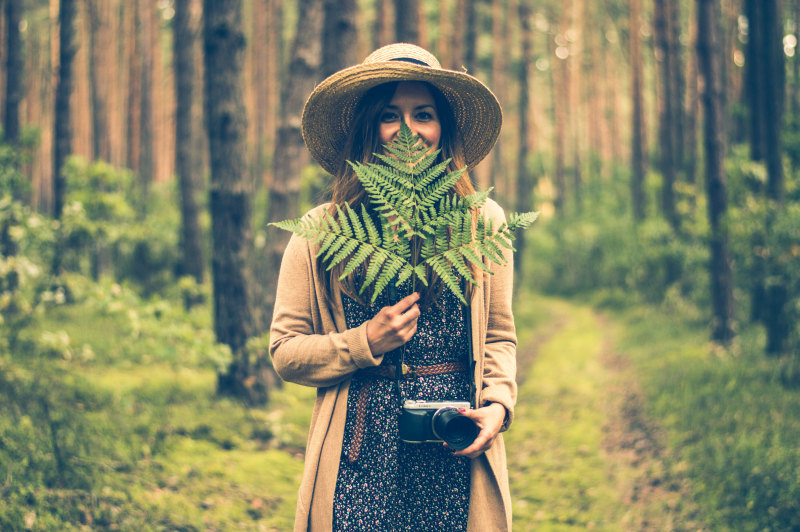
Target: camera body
[437,421]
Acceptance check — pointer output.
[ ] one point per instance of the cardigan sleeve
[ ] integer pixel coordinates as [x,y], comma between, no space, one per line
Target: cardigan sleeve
[500,364]
[304,345]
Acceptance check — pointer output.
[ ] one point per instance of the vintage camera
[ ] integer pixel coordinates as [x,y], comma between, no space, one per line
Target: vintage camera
[434,421]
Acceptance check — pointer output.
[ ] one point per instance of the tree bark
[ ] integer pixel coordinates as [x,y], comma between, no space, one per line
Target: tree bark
[758,63]
[525,181]
[558,85]
[290,151]
[443,45]
[500,45]
[230,198]
[709,56]
[457,34]
[638,199]
[62,131]
[692,109]
[666,110]
[14,71]
[775,80]
[192,254]
[385,30]
[407,20]
[471,37]
[134,86]
[146,166]
[776,292]
[98,51]
[338,36]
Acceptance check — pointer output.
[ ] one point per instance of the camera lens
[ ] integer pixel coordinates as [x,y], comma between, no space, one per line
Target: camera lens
[454,428]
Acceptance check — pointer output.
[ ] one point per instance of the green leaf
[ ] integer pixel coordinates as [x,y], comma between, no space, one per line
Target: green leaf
[423,227]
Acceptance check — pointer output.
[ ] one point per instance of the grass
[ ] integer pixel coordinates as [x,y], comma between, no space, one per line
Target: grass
[559,476]
[728,417]
[152,447]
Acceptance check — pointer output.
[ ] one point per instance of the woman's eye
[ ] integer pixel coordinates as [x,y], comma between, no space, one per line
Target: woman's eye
[388,117]
[424,116]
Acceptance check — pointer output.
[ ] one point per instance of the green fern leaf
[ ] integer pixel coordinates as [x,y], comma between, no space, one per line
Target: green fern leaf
[421,228]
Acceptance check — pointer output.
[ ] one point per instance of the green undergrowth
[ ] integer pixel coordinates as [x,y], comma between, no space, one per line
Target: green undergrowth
[728,418]
[111,421]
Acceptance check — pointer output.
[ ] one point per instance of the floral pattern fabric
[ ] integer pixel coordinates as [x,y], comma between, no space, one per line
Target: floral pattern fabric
[393,485]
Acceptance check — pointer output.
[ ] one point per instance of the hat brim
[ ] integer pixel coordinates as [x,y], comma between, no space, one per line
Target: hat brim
[329,110]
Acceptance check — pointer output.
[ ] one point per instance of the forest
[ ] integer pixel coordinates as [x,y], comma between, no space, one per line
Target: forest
[146,146]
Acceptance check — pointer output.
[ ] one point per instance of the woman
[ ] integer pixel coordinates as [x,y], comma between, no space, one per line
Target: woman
[358,474]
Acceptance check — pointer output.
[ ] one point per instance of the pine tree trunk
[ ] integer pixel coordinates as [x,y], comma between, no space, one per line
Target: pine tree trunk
[338,36]
[385,30]
[230,199]
[457,34]
[444,44]
[470,38]
[146,166]
[755,78]
[775,81]
[692,109]
[574,63]
[290,151]
[795,96]
[424,30]
[3,59]
[500,45]
[62,133]
[134,86]
[339,46]
[406,20]
[666,111]
[709,56]
[192,254]
[558,83]
[14,71]
[98,49]
[272,75]
[777,294]
[637,130]
[525,181]
[594,96]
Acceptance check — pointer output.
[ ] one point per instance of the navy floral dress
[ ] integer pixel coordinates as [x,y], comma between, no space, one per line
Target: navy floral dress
[393,485]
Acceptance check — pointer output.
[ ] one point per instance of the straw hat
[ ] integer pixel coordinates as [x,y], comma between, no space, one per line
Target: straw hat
[329,110]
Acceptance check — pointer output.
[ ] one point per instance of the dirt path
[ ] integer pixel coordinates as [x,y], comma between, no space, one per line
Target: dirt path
[656,494]
[644,491]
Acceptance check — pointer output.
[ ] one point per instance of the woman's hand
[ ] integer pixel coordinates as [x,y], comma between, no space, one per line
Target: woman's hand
[489,418]
[393,326]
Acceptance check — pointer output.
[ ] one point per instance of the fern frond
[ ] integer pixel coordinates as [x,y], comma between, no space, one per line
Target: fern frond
[521,220]
[443,269]
[434,193]
[373,270]
[422,228]
[359,232]
[372,231]
[347,247]
[362,254]
[390,269]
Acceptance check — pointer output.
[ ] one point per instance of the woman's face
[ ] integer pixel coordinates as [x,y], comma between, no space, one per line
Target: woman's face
[413,104]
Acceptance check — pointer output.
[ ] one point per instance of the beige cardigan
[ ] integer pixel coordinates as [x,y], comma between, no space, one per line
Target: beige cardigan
[311,345]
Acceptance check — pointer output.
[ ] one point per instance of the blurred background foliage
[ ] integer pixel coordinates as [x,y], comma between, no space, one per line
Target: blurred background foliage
[110,359]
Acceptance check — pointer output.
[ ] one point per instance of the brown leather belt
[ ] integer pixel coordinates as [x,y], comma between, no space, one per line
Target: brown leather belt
[389,372]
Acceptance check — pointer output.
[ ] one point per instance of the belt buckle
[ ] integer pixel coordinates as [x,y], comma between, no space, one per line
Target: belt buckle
[408,371]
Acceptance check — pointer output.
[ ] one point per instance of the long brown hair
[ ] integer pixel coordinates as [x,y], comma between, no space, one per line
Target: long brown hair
[362,144]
